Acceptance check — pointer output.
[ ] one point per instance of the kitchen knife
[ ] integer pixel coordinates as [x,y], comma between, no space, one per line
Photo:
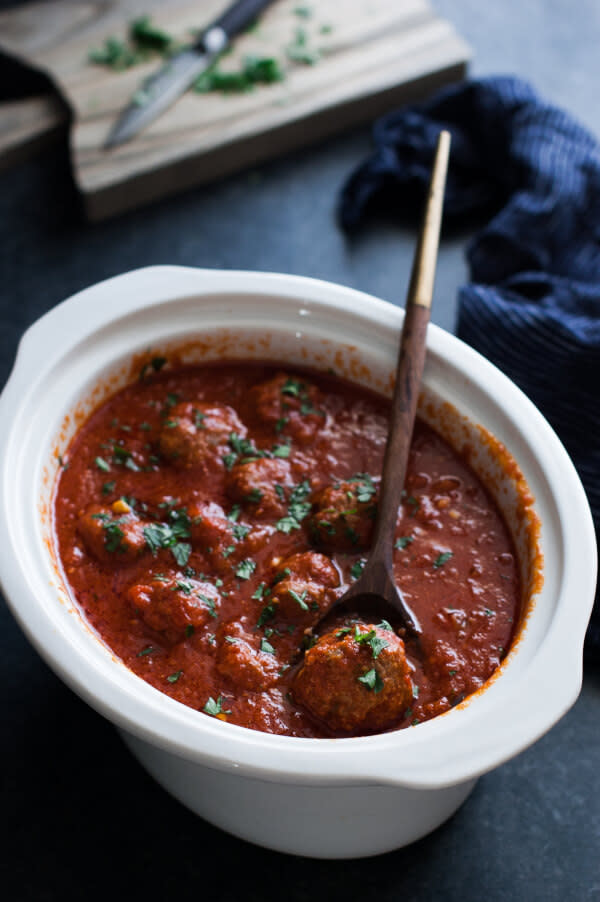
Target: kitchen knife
[163,88]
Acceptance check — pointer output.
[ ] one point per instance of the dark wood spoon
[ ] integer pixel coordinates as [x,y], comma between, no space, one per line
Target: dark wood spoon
[375,590]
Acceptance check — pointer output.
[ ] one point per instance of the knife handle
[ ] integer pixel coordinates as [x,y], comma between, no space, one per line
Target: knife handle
[233,20]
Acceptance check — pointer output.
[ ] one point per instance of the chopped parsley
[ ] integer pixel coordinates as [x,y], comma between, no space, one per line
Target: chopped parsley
[102,465]
[253,71]
[371,680]
[442,559]
[210,604]
[215,707]
[365,487]
[266,646]
[173,677]
[299,599]
[403,542]
[267,613]
[357,568]
[170,535]
[298,508]
[245,569]
[370,638]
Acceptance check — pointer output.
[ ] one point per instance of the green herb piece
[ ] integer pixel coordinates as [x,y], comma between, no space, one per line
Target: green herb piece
[184,587]
[283,574]
[403,542]
[234,512]
[156,364]
[245,569]
[108,487]
[254,71]
[229,460]
[267,613]
[145,651]
[266,646]
[181,552]
[442,559]
[254,496]
[260,592]
[298,508]
[210,604]
[365,487]
[240,532]
[299,599]
[415,691]
[189,630]
[143,33]
[344,631]
[385,625]
[281,424]
[173,677]
[215,707]
[115,54]
[371,680]
[281,451]
[170,535]
[357,568]
[293,387]
[102,465]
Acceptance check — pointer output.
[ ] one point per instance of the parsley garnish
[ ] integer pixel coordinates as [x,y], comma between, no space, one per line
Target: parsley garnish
[266,646]
[173,677]
[299,599]
[215,707]
[442,558]
[357,568]
[371,680]
[102,465]
[245,569]
[403,541]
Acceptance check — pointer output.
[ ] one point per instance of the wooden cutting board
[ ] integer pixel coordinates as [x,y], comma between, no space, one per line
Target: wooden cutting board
[374,55]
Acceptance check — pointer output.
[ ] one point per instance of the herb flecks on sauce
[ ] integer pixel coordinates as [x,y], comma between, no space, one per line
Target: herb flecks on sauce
[207,564]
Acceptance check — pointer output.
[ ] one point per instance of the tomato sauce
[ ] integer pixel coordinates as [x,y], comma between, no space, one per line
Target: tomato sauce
[205,516]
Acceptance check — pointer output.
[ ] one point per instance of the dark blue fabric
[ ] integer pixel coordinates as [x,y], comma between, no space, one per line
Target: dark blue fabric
[533,303]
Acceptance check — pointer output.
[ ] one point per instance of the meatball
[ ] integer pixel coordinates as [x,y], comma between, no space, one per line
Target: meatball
[291,405]
[343,514]
[195,434]
[240,657]
[355,679]
[174,606]
[259,484]
[112,534]
[301,590]
[217,536]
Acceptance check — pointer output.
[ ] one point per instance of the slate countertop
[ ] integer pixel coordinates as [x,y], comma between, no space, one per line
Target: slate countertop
[82,820]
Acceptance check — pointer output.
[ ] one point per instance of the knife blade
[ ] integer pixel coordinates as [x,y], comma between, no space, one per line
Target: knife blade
[162,89]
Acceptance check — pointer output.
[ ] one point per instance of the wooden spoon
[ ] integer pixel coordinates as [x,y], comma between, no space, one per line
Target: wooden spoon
[376,589]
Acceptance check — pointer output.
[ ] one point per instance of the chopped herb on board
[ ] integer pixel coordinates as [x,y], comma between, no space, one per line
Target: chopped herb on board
[253,71]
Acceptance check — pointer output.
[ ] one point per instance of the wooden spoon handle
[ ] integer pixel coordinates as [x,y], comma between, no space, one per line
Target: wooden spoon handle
[411,357]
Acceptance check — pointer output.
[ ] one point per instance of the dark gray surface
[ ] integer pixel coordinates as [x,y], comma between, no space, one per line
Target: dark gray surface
[81,818]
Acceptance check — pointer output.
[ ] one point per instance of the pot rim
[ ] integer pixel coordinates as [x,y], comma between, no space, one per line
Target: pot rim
[495,725]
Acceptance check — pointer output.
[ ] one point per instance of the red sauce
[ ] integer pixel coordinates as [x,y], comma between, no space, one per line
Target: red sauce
[184,495]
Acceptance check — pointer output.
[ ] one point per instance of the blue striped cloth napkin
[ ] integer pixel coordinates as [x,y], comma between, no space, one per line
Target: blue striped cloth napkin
[533,303]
